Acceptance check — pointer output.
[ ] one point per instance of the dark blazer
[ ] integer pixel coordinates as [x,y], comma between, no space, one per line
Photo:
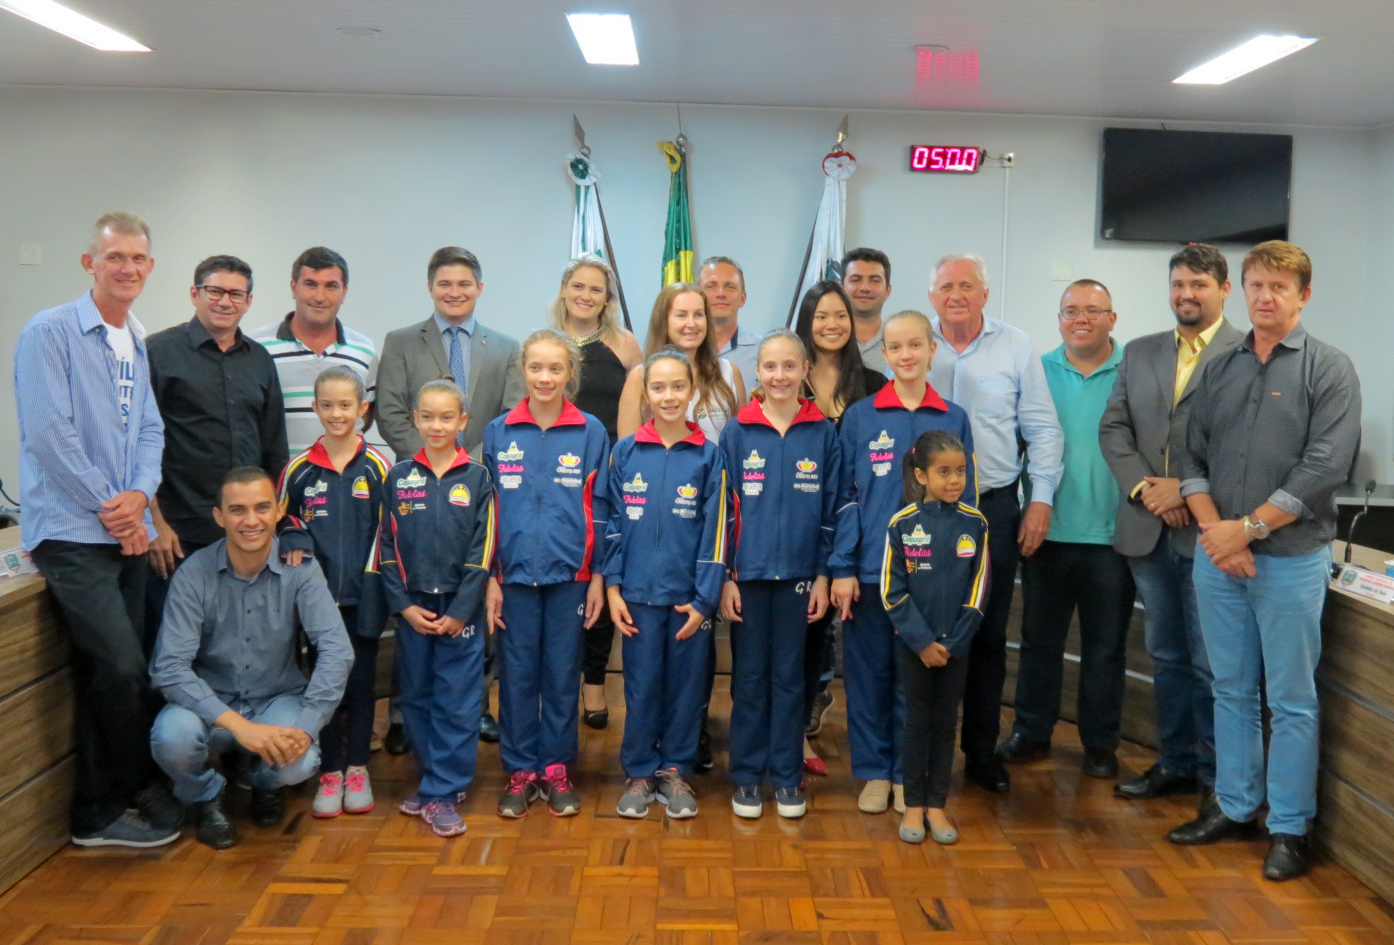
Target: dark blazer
[1139,425]
[412,356]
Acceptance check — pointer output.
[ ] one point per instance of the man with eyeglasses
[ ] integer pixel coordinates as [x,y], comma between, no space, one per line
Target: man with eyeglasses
[220,399]
[1143,436]
[991,370]
[1076,569]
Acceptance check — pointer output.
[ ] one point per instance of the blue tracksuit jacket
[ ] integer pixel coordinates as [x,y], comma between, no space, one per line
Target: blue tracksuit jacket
[551,488]
[876,433]
[934,575]
[786,490]
[437,535]
[668,531]
[341,512]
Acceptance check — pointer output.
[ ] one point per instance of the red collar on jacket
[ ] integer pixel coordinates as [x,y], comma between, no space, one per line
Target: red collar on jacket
[649,434]
[461,458]
[320,456]
[887,397]
[570,414]
[752,413]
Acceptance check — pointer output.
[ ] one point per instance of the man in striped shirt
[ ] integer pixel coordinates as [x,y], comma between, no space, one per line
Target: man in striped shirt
[312,338]
[90,443]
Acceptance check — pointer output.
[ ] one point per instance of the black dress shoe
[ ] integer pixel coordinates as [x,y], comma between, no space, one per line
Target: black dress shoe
[1211,826]
[988,775]
[597,719]
[488,729]
[158,805]
[1287,857]
[1017,748]
[268,807]
[1100,763]
[396,741]
[211,825]
[704,751]
[1207,798]
[1156,781]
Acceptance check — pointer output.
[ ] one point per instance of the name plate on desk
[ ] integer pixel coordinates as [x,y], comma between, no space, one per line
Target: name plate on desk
[1354,580]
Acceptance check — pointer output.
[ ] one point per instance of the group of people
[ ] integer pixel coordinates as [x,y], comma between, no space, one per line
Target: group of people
[885,475]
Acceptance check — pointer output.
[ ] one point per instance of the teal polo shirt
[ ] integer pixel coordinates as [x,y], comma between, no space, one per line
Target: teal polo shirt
[1086,501]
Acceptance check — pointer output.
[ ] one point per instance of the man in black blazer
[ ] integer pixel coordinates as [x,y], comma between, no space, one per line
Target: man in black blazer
[450,344]
[412,356]
[1143,434]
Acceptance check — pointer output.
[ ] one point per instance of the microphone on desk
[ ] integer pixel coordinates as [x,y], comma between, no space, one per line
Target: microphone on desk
[1355,519]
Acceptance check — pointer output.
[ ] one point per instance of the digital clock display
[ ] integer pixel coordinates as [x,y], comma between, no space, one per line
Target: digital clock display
[945,159]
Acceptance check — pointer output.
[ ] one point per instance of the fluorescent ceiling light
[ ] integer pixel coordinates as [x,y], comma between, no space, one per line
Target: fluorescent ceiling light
[1241,60]
[72,24]
[606,39]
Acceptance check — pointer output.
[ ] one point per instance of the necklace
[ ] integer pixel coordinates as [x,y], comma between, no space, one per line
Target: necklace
[584,340]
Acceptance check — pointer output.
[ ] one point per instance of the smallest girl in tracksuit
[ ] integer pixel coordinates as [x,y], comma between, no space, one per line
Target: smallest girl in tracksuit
[665,561]
[785,463]
[549,464]
[436,549]
[934,577]
[333,490]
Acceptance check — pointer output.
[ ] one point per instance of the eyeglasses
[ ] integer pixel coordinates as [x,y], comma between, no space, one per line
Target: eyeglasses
[215,293]
[1091,313]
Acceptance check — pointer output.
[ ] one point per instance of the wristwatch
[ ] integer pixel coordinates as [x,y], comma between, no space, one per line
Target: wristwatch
[1255,529]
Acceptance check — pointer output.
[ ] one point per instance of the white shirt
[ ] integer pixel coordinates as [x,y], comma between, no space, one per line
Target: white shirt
[124,348]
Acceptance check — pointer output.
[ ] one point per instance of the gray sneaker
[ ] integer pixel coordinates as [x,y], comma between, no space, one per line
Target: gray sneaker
[517,794]
[638,795]
[358,791]
[128,830]
[675,794]
[329,799]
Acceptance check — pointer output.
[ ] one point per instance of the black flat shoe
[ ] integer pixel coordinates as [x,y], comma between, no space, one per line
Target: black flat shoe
[268,807]
[597,719]
[1017,748]
[988,775]
[1156,781]
[1212,826]
[488,728]
[396,741]
[211,825]
[1100,763]
[1287,857]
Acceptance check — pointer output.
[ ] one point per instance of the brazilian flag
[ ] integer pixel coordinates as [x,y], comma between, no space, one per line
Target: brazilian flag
[677,236]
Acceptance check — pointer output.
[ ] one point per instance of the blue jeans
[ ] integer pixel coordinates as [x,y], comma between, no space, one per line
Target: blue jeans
[1181,680]
[1267,629]
[181,743]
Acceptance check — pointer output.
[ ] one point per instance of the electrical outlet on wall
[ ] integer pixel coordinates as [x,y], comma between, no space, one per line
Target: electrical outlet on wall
[1060,270]
[31,254]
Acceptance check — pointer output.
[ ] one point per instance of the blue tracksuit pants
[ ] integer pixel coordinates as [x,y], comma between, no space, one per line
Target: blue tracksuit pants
[767,683]
[541,650]
[664,679]
[875,703]
[441,699]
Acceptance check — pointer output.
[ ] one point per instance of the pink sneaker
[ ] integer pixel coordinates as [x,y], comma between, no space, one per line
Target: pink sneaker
[444,819]
[562,799]
[358,792]
[329,799]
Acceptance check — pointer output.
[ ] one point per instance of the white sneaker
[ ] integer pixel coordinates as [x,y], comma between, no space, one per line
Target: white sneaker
[358,791]
[329,799]
[875,797]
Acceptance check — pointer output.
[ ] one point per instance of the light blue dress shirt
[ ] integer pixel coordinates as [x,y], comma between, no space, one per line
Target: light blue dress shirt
[75,451]
[445,326]
[999,380]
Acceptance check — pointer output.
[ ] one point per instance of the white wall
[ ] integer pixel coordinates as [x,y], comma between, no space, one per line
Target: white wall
[386,180]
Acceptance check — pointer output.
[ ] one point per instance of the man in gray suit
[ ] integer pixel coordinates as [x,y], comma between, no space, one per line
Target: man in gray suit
[451,344]
[1143,435]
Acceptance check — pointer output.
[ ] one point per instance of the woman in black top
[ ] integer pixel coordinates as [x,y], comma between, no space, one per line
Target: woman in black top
[836,380]
[587,308]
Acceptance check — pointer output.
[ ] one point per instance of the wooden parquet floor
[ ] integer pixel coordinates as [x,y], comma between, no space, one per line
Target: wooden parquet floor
[1058,860]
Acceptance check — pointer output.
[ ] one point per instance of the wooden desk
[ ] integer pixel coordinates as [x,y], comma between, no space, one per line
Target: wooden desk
[36,724]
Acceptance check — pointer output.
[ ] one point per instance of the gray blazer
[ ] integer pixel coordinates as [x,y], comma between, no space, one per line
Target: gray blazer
[1139,425]
[412,356]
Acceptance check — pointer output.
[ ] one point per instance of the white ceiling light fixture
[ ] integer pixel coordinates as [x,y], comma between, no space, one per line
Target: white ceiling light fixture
[1241,60]
[606,39]
[73,25]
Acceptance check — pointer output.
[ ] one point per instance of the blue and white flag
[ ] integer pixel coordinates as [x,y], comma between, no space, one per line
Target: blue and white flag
[826,244]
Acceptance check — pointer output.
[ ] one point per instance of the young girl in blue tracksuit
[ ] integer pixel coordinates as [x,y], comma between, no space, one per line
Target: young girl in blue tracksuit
[785,467]
[333,490]
[436,549]
[665,561]
[875,434]
[549,464]
[934,576]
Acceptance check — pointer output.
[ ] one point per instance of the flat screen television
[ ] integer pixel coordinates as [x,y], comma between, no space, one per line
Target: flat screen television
[1194,186]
